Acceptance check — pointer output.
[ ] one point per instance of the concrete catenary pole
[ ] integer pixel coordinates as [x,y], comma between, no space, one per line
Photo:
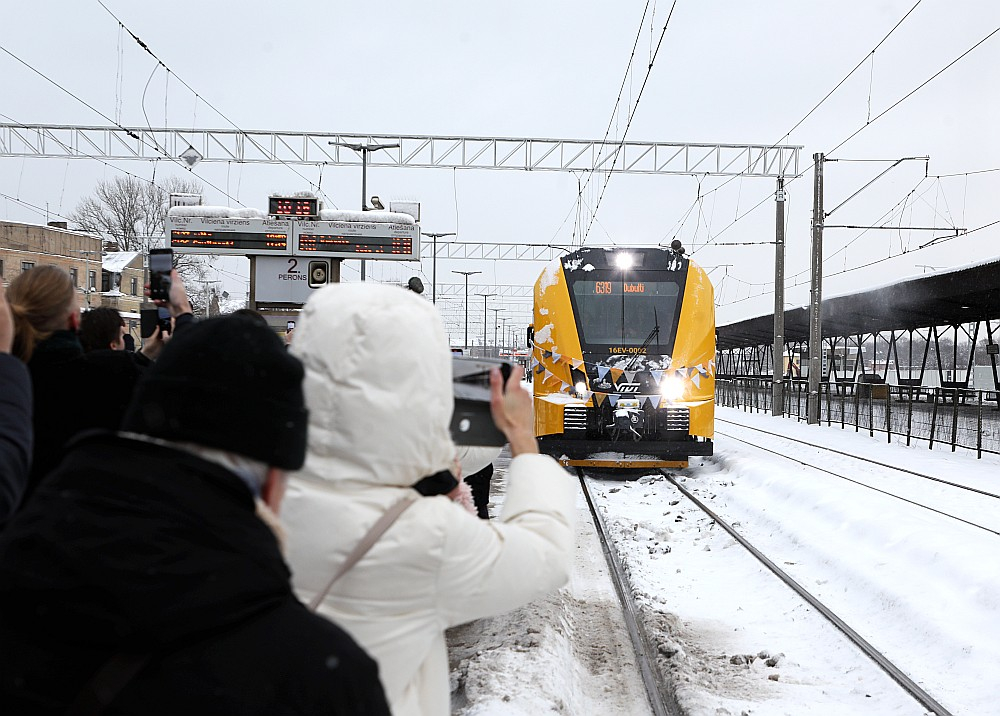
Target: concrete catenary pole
[816,295]
[777,387]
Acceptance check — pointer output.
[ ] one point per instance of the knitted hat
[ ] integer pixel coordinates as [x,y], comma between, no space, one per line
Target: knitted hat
[226,383]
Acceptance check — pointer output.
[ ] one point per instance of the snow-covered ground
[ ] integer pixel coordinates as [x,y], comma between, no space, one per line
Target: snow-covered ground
[569,653]
[922,587]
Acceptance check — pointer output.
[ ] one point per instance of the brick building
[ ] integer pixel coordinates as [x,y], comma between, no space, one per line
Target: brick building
[113,278]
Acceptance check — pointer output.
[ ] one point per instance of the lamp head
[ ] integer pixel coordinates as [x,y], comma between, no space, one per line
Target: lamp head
[415,284]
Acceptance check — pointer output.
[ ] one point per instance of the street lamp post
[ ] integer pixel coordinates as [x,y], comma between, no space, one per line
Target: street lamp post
[467,274]
[496,322]
[363,149]
[503,332]
[434,256]
[486,297]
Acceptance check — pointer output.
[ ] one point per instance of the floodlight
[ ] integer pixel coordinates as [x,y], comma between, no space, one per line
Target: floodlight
[624,260]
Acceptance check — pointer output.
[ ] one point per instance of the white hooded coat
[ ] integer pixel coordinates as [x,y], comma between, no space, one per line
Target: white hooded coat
[379,393]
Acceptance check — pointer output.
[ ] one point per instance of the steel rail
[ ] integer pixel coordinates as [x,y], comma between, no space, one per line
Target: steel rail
[862,459]
[863,484]
[662,704]
[910,686]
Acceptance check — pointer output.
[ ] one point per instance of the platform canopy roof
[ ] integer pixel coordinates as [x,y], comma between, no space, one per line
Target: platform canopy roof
[962,295]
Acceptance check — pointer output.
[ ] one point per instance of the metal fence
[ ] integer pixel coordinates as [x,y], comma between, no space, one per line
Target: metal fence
[940,417]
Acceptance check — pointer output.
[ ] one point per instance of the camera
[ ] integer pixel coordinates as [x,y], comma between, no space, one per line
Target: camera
[472,422]
[290,326]
[150,318]
[161,263]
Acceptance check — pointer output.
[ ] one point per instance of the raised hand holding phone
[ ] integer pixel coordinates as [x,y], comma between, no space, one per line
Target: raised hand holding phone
[511,407]
[161,266]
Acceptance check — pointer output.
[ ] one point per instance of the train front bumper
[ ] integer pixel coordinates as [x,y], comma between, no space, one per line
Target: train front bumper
[577,452]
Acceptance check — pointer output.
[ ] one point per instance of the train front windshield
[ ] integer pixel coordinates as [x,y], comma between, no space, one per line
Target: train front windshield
[616,313]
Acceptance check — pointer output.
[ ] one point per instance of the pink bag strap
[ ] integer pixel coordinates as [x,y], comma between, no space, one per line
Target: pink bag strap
[366,543]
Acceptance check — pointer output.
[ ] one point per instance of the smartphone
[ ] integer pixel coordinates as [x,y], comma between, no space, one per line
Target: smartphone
[290,326]
[150,318]
[161,263]
[472,422]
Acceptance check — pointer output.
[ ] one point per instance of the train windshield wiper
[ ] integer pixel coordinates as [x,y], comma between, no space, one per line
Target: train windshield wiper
[654,333]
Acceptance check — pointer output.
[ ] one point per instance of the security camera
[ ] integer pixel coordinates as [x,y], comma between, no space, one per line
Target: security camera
[376,204]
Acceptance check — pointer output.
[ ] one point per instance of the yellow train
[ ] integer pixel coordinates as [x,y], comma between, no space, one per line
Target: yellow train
[623,361]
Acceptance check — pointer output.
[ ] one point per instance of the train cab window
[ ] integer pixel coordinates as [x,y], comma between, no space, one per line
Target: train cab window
[627,313]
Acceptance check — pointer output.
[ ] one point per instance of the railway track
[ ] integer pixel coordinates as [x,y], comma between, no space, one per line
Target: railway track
[921,505]
[893,671]
[969,488]
[659,692]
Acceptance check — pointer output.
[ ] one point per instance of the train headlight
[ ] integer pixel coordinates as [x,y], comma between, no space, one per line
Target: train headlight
[672,388]
[624,260]
[581,387]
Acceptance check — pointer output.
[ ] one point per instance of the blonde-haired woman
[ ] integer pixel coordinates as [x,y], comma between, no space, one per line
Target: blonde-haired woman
[73,391]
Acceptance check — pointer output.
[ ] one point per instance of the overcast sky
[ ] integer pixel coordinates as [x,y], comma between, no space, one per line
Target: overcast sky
[728,71]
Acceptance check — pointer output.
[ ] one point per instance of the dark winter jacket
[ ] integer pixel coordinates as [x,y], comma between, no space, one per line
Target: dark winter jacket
[132,547]
[77,391]
[74,392]
[15,432]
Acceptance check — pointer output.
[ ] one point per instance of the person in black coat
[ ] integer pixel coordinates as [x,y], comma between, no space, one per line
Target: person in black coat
[73,391]
[15,418]
[145,575]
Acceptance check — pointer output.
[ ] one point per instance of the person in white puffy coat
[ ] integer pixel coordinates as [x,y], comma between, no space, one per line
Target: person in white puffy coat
[379,392]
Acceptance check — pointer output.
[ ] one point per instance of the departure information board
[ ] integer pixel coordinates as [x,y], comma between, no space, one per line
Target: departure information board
[357,239]
[275,237]
[199,235]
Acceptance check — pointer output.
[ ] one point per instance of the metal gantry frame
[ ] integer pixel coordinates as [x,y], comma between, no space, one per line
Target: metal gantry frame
[314,148]
[492,251]
[457,290]
[116,143]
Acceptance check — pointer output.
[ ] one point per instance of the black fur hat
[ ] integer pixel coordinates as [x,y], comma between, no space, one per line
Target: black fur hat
[226,383]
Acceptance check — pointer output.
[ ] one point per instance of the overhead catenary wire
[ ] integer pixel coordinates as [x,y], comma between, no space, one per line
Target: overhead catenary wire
[127,131]
[912,92]
[876,118]
[618,100]
[621,144]
[965,174]
[794,277]
[37,209]
[809,114]
[933,242]
[180,79]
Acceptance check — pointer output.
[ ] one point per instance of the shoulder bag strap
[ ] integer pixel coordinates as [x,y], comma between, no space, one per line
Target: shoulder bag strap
[365,544]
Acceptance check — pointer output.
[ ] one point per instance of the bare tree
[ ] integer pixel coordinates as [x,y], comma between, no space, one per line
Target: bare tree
[130,211]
